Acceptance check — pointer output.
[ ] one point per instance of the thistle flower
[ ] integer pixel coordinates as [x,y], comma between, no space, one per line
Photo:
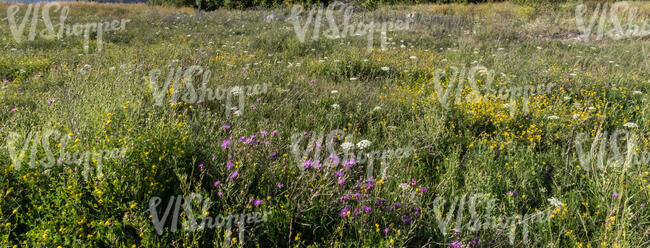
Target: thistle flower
[234,175]
[615,195]
[341,180]
[225,127]
[258,202]
[217,183]
[456,244]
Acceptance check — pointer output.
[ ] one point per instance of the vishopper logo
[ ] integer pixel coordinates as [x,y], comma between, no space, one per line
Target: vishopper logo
[617,31]
[449,85]
[334,32]
[42,139]
[340,150]
[50,32]
[484,218]
[182,81]
[190,224]
[609,150]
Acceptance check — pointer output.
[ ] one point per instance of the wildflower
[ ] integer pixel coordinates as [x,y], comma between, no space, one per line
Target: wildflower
[336,106]
[274,132]
[380,202]
[225,143]
[552,117]
[234,175]
[407,221]
[475,242]
[229,164]
[367,209]
[385,231]
[259,99]
[253,107]
[353,79]
[510,193]
[554,202]
[312,81]
[50,101]
[630,125]
[423,190]
[350,163]
[385,68]
[308,163]
[225,127]
[338,174]
[217,183]
[237,113]
[456,244]
[397,205]
[413,57]
[200,166]
[457,232]
[274,154]
[341,180]
[335,92]
[377,108]
[636,92]
[347,145]
[363,144]
[219,193]
[615,195]
[345,212]
[280,185]
[14,109]
[258,202]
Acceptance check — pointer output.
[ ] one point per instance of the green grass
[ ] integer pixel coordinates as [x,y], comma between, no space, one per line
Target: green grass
[102,101]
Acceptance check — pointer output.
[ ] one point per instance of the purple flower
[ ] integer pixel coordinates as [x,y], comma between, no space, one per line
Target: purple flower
[219,193]
[357,196]
[280,185]
[338,174]
[14,109]
[217,183]
[50,101]
[397,205]
[267,142]
[385,231]
[259,99]
[367,209]
[456,244]
[423,190]
[344,212]
[253,107]
[243,69]
[225,143]
[258,202]
[312,81]
[341,180]
[200,166]
[335,159]
[407,221]
[414,182]
[274,154]
[263,133]
[224,127]
[380,201]
[234,175]
[510,193]
[475,242]
[242,138]
[274,132]
[456,231]
[304,133]
[350,163]
[615,195]
[307,163]
[229,164]
[345,198]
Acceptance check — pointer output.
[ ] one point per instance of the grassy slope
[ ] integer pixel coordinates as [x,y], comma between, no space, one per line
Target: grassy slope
[469,148]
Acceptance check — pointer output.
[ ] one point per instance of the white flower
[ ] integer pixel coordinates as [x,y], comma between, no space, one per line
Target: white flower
[636,92]
[573,74]
[364,144]
[237,113]
[500,49]
[347,145]
[112,68]
[405,186]
[385,68]
[539,48]
[554,202]
[630,125]
[413,57]
[552,117]
[335,92]
[353,79]
[507,105]
[376,108]
[237,90]
[576,116]
[567,98]
[335,106]
[591,108]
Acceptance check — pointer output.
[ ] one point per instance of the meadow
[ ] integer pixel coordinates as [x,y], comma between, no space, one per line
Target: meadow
[323,140]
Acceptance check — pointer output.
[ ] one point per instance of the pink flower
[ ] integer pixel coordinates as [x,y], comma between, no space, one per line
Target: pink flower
[200,166]
[274,132]
[258,202]
[224,127]
[225,143]
[229,164]
[219,193]
[217,183]
[615,195]
[280,185]
[259,99]
[341,180]
[234,175]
